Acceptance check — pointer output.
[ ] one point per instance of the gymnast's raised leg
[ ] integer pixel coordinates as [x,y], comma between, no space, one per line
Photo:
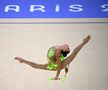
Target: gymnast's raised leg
[70,58]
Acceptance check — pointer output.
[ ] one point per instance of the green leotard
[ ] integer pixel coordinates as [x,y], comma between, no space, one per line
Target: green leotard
[53,65]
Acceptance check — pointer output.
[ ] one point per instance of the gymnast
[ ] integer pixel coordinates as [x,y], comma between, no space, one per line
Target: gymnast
[57,58]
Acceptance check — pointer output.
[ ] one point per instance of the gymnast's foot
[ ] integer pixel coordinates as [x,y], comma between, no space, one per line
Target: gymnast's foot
[19,59]
[86,39]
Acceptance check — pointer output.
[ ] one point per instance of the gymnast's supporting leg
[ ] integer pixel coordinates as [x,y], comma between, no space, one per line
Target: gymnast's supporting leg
[32,64]
[70,58]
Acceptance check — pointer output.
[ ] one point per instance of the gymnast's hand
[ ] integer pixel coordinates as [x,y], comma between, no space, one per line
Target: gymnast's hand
[56,78]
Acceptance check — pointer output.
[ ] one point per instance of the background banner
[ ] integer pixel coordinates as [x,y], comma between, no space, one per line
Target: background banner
[53,8]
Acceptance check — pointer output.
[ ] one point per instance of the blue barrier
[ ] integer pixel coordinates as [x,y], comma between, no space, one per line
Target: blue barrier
[53,8]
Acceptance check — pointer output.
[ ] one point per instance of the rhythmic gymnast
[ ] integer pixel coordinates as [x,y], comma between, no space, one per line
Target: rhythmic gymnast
[57,59]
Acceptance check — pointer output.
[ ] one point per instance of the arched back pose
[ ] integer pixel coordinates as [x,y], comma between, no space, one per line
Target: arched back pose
[56,58]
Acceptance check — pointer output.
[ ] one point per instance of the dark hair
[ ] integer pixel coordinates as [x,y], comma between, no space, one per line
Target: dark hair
[65,53]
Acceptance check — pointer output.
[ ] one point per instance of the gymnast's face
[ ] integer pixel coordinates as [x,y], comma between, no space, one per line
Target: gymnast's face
[65,50]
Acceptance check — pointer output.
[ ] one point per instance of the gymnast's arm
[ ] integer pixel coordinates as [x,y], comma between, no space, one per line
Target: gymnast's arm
[57,55]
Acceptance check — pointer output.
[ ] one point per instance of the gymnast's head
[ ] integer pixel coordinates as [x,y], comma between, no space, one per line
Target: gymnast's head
[65,49]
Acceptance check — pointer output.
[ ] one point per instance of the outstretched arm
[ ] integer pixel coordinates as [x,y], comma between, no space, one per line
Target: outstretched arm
[57,55]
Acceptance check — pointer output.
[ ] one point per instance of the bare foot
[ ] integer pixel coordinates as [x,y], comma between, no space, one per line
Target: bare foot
[86,39]
[21,60]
